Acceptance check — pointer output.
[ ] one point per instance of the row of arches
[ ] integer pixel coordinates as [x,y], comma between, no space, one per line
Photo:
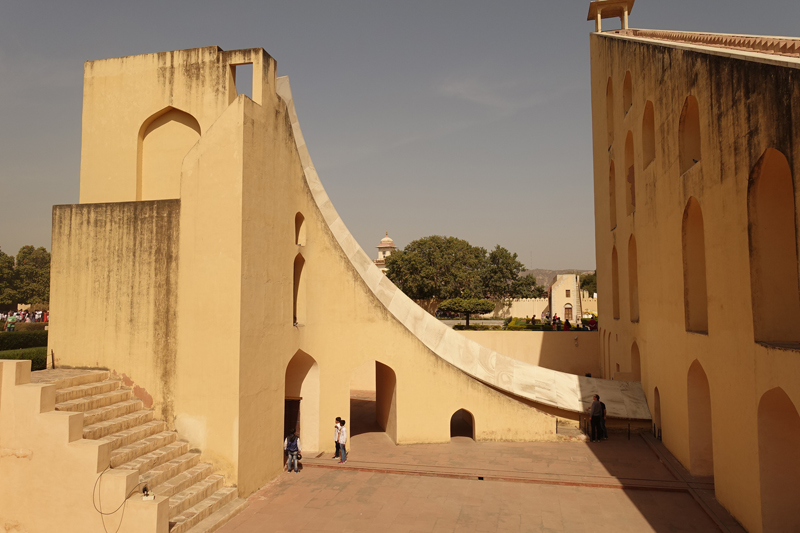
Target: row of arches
[775,281]
[778,424]
[373,410]
[634,362]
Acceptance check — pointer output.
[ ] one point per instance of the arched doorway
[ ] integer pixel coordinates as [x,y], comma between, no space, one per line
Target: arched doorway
[373,400]
[657,411]
[301,404]
[164,140]
[701,447]
[779,462]
[462,424]
[636,362]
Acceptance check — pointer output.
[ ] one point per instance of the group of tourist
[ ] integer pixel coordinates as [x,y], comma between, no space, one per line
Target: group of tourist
[591,325]
[291,446]
[11,320]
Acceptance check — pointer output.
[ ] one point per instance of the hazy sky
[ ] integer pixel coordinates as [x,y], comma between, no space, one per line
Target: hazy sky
[469,119]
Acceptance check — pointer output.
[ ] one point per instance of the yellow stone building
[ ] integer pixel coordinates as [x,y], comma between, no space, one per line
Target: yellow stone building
[697,181]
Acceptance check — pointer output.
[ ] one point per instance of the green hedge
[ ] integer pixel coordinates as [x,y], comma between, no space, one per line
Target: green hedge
[37,356]
[17,340]
[478,327]
[30,326]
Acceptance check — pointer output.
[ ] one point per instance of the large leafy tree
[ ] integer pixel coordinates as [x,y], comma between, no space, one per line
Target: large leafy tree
[589,283]
[468,306]
[32,273]
[8,283]
[438,267]
[502,280]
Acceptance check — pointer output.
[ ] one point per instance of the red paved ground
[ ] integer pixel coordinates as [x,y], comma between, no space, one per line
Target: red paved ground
[618,485]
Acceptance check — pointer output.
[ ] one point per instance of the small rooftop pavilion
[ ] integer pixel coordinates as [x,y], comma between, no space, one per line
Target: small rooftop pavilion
[606,9]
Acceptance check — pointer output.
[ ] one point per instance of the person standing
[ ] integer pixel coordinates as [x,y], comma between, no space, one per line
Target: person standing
[336,429]
[11,322]
[291,445]
[604,432]
[343,443]
[596,412]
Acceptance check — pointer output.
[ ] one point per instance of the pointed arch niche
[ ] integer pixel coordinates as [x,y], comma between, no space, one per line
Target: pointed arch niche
[612,195]
[695,296]
[779,462]
[627,93]
[462,424]
[299,291]
[633,278]
[299,229]
[615,282]
[630,175]
[648,135]
[773,250]
[610,111]
[636,362]
[689,134]
[164,140]
[701,446]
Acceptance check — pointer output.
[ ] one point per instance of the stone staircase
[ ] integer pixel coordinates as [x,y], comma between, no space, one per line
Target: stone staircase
[199,502]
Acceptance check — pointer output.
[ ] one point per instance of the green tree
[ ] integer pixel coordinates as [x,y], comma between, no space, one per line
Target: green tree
[501,277]
[8,282]
[32,274]
[468,306]
[438,267]
[589,283]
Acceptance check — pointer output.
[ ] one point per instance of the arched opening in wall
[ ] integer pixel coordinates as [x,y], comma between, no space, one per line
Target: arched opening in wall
[695,297]
[689,134]
[701,447]
[610,112]
[627,93]
[299,229]
[657,410]
[615,282]
[636,362]
[568,312]
[779,462]
[373,400]
[630,175]
[648,135]
[301,404]
[773,251]
[612,195]
[462,424]
[633,278]
[608,351]
[299,299]
[164,140]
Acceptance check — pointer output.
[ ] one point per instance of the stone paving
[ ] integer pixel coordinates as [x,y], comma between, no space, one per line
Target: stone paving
[616,485]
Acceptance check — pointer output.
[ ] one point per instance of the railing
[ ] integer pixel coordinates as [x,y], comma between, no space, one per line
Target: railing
[749,43]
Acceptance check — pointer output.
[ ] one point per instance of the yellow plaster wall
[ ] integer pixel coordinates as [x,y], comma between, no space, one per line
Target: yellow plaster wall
[745,103]
[573,352]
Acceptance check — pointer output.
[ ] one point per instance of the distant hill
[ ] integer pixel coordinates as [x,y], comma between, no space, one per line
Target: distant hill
[545,277]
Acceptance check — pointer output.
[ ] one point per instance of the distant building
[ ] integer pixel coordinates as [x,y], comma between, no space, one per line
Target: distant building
[385,249]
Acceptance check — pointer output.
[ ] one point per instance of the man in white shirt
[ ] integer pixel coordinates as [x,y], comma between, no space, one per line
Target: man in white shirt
[342,443]
[336,429]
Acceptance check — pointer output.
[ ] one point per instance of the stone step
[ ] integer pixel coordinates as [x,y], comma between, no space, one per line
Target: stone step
[135,434]
[199,512]
[89,376]
[194,494]
[184,480]
[87,389]
[220,517]
[101,414]
[93,402]
[166,472]
[137,456]
[115,425]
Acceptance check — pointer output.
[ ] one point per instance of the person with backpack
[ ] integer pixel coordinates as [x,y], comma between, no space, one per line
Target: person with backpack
[291,445]
[342,442]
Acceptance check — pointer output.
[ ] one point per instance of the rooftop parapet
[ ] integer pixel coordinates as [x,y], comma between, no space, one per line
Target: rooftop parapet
[785,46]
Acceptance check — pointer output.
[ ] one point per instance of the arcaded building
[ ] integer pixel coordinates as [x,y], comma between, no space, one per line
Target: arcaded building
[696,143]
